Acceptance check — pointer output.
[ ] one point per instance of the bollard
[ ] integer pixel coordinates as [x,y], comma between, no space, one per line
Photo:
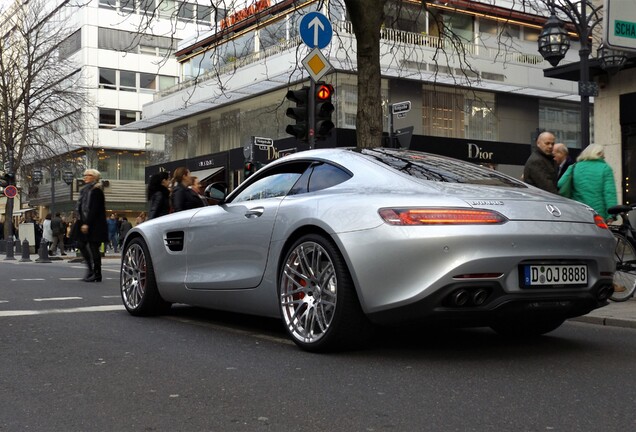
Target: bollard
[26,256]
[43,252]
[9,250]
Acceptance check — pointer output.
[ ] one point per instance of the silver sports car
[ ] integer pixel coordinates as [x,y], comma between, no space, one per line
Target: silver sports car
[334,241]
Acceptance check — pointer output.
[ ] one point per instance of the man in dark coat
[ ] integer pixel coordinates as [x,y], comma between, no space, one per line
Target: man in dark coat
[562,158]
[93,231]
[541,169]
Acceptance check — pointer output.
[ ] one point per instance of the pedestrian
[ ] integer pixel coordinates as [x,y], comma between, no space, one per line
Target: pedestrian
[140,218]
[112,232]
[183,198]
[562,158]
[58,230]
[541,169]
[591,180]
[158,194]
[198,188]
[47,232]
[93,231]
[123,229]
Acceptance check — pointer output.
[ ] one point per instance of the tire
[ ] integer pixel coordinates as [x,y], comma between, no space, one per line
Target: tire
[625,278]
[317,299]
[137,281]
[526,328]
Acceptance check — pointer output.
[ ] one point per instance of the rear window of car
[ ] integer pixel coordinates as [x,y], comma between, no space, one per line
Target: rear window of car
[427,166]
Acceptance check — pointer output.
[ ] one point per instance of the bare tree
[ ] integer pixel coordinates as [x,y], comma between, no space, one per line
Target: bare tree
[41,91]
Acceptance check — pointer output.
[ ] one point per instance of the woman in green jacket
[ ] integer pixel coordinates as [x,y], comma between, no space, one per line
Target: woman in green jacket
[592,180]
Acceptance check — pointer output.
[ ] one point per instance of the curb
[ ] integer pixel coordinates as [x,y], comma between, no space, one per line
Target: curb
[606,321]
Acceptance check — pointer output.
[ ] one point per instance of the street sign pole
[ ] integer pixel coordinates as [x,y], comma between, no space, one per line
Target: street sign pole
[311,109]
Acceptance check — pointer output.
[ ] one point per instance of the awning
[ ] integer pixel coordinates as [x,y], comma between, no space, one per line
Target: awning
[205,174]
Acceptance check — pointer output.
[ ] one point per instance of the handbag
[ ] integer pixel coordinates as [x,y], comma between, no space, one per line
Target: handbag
[567,188]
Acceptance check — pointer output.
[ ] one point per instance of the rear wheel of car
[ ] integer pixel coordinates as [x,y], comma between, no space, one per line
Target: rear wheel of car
[137,281]
[529,327]
[317,298]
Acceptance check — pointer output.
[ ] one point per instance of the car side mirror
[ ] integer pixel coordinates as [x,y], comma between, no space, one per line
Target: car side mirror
[216,191]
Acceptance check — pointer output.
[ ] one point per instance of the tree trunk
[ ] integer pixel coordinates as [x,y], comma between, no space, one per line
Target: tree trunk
[366,18]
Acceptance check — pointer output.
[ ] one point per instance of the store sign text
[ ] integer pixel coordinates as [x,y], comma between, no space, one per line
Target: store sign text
[242,14]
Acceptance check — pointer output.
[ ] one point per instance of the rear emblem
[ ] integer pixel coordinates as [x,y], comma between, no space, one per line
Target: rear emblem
[553,210]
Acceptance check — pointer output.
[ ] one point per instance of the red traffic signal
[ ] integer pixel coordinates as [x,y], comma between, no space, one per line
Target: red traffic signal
[324,92]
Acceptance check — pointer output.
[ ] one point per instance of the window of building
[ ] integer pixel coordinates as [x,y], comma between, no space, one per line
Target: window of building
[563,120]
[120,40]
[459,25]
[127,81]
[107,118]
[107,78]
[165,82]
[185,11]
[128,5]
[405,17]
[147,6]
[71,44]
[204,14]
[273,34]
[126,117]
[110,4]
[166,8]
[147,82]
[457,113]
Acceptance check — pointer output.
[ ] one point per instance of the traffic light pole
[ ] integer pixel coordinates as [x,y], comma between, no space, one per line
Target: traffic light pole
[311,136]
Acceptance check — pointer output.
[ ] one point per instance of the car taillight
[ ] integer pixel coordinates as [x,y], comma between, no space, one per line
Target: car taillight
[440,216]
[600,222]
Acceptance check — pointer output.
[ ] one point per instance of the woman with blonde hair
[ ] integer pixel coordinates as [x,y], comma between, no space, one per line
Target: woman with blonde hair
[591,180]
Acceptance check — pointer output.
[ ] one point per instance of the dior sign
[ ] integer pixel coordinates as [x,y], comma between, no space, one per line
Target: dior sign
[476,152]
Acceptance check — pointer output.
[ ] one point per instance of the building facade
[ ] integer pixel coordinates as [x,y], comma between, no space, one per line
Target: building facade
[123,63]
[479,94]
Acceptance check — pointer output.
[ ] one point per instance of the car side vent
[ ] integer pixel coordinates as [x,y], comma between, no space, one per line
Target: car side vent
[174,241]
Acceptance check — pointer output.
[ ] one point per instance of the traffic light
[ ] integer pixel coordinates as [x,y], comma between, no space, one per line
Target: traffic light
[324,109]
[249,168]
[299,113]
[6,179]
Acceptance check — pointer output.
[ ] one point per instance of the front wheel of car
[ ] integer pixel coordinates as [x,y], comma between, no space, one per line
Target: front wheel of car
[530,327]
[317,298]
[138,285]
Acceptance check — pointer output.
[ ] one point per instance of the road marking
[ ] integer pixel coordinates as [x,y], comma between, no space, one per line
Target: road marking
[26,280]
[71,279]
[114,296]
[56,299]
[13,313]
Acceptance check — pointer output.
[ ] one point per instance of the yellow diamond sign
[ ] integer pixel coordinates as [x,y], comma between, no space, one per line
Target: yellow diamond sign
[316,64]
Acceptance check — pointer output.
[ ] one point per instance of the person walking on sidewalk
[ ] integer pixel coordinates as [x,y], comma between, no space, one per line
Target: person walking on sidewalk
[92,232]
[58,229]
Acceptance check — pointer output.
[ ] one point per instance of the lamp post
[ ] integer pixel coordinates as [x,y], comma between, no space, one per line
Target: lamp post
[67,176]
[554,43]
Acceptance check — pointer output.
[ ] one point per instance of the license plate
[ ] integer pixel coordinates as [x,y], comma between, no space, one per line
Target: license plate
[546,275]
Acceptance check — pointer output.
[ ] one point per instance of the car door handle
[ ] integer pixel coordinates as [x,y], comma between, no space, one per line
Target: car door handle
[254,212]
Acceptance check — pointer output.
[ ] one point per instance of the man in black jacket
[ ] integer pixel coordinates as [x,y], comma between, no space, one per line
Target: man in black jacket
[541,169]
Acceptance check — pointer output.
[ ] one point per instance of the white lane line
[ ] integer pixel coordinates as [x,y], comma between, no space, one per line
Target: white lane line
[4,301]
[26,280]
[71,279]
[56,299]
[113,296]
[13,313]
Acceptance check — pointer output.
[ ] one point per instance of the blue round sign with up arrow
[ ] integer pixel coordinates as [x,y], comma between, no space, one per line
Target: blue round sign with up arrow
[315,30]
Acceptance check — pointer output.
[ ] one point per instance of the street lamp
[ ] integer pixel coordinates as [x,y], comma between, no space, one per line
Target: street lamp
[554,43]
[37,177]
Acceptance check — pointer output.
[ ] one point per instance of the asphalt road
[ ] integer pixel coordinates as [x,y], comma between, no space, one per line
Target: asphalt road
[74,360]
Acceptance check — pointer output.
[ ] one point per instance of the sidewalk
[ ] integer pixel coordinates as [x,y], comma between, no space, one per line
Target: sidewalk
[615,314]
